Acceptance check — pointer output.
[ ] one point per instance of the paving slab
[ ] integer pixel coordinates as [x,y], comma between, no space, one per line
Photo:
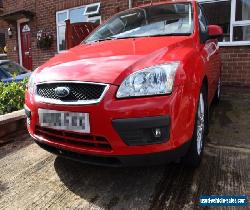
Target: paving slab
[230,121]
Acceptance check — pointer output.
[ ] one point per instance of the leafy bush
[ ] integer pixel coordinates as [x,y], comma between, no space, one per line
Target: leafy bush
[12,96]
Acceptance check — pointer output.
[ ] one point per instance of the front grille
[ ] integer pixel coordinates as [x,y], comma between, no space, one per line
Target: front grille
[73,139]
[77,91]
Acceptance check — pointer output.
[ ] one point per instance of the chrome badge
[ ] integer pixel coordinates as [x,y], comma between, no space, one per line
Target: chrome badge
[62,92]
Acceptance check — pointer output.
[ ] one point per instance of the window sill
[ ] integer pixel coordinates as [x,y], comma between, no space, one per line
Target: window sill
[61,51]
[232,44]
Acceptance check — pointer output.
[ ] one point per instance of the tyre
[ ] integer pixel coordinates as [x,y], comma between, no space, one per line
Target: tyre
[194,154]
[218,92]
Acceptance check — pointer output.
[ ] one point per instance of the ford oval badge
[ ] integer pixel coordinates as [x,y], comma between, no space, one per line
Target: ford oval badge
[62,92]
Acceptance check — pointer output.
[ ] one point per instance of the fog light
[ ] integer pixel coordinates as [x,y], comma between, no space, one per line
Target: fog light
[157,132]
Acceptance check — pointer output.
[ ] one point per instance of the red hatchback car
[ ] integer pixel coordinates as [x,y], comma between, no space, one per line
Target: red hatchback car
[137,90]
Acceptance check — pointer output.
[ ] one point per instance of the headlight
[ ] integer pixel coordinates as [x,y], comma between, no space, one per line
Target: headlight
[155,80]
[31,83]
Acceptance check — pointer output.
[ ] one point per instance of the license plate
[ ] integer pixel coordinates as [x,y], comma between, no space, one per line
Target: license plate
[61,120]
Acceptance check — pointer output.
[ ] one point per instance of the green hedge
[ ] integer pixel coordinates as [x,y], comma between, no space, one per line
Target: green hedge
[12,96]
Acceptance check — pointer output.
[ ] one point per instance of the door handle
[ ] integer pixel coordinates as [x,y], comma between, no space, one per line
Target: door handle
[27,53]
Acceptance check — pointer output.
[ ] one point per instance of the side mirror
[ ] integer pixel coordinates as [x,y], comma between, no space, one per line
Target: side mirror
[215,31]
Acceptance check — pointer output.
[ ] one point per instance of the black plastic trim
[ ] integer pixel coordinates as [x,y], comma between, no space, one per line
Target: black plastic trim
[27,112]
[145,122]
[139,131]
[159,158]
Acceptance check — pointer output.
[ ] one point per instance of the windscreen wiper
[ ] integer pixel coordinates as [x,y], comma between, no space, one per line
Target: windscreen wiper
[127,37]
[112,38]
[100,40]
[170,34]
[131,37]
[153,35]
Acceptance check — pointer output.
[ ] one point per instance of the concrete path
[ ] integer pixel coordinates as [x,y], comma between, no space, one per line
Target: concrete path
[31,178]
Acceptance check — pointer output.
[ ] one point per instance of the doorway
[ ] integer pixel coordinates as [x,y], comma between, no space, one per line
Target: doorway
[25,55]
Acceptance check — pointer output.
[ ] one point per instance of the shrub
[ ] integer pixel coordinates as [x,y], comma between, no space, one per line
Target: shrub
[12,96]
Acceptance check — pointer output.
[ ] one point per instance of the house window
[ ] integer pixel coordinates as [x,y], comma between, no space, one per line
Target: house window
[234,18]
[92,9]
[88,13]
[77,15]
[219,13]
[95,19]
[241,23]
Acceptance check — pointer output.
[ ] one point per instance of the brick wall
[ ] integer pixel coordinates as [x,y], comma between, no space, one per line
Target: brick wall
[236,65]
[45,18]
[2,25]
[235,60]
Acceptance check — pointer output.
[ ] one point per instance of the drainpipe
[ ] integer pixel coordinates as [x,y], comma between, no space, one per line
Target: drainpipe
[130,2]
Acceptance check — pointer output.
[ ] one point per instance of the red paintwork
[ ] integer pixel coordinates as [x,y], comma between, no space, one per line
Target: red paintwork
[214,30]
[26,47]
[111,61]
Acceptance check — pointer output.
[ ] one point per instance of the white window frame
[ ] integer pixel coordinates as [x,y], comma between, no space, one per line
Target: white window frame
[94,12]
[67,17]
[19,22]
[91,19]
[233,23]
[58,25]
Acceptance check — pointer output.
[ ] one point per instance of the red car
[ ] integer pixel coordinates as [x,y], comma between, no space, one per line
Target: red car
[137,90]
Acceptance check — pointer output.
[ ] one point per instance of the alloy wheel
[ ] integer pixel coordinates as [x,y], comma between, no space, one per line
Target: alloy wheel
[200,124]
[218,88]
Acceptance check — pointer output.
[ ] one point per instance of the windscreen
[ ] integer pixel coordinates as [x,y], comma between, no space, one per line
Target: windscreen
[158,20]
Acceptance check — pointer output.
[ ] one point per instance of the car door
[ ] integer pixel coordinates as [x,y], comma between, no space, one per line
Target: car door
[210,53]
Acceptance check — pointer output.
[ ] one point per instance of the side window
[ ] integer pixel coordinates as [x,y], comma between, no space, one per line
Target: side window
[202,25]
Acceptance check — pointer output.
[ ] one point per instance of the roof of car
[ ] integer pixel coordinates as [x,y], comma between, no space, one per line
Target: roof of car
[167,1]
[3,61]
[172,1]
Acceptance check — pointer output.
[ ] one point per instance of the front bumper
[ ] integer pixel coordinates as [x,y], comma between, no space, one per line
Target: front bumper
[121,161]
[111,118]
[143,131]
